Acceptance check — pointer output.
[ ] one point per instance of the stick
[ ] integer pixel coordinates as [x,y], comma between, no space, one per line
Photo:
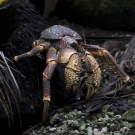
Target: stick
[32,128]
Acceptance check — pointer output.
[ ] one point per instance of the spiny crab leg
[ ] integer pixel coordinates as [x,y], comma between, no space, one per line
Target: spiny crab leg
[46,87]
[47,74]
[33,52]
[104,54]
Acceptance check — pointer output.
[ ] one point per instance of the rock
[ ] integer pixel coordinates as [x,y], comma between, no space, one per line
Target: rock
[127,124]
[54,119]
[104,130]
[52,129]
[75,132]
[89,130]
[82,125]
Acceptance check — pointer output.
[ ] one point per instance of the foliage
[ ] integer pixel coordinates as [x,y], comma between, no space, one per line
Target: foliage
[2,1]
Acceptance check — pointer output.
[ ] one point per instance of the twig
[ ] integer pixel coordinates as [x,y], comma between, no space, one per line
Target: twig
[13,69]
[95,106]
[70,106]
[10,72]
[32,128]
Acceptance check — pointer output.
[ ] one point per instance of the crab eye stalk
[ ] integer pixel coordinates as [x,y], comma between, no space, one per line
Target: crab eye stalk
[68,43]
[34,43]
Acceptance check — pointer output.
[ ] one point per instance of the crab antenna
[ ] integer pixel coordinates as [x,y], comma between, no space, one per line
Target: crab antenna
[84,39]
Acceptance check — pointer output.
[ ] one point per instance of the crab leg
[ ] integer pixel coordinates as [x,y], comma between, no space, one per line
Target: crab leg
[104,54]
[72,73]
[47,74]
[94,74]
[35,50]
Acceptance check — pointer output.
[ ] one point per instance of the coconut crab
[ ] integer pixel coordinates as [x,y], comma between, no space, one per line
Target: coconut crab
[64,46]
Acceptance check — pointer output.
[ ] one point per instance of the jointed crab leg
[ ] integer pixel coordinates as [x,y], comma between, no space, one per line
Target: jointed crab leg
[94,74]
[46,87]
[47,74]
[34,51]
[104,54]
